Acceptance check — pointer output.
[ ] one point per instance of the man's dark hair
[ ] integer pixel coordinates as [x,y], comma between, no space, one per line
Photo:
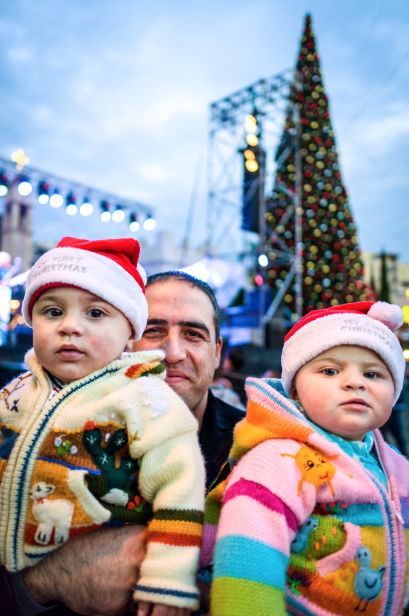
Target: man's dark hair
[194,282]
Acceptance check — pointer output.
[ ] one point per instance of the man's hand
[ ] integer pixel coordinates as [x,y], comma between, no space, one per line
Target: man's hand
[93,574]
[159,609]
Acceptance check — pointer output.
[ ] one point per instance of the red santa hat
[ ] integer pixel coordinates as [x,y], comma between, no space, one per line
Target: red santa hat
[107,268]
[366,324]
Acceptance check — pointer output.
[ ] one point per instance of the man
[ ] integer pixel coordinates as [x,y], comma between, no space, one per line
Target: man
[94,574]
[184,321]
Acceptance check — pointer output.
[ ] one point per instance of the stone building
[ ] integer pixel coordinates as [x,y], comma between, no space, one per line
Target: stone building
[16,225]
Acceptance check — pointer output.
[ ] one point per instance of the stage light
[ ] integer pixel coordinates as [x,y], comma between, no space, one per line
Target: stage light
[250,124]
[249,155]
[3,184]
[118,214]
[71,201]
[43,192]
[105,213]
[406,354]
[258,279]
[251,165]
[263,260]
[24,188]
[71,209]
[252,139]
[56,200]
[133,223]
[86,208]
[149,224]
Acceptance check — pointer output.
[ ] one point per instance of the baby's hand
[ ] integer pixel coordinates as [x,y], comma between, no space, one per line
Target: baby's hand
[159,609]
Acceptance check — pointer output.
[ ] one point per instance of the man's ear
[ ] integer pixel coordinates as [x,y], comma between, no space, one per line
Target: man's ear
[219,346]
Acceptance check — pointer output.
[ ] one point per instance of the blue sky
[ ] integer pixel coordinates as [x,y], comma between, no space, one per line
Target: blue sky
[115,95]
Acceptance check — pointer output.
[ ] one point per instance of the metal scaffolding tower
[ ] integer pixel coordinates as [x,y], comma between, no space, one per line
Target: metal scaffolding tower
[268,99]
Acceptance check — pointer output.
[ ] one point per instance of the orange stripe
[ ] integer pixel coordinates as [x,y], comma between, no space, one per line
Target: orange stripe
[175,527]
[175,539]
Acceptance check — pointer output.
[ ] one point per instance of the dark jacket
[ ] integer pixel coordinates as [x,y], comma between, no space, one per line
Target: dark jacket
[215,438]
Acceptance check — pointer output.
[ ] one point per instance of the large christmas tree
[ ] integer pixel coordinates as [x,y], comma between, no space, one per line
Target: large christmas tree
[332,268]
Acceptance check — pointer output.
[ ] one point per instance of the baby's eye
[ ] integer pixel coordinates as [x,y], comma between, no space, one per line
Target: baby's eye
[53,312]
[95,313]
[330,372]
[371,375]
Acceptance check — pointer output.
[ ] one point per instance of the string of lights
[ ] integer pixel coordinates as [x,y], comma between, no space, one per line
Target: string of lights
[77,198]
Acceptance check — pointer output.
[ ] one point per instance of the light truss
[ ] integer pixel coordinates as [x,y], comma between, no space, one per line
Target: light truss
[226,139]
[66,186]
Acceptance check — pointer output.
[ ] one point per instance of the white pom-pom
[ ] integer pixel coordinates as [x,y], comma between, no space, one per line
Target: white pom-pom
[388,314]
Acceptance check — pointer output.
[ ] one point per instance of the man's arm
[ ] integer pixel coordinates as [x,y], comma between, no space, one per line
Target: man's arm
[92,574]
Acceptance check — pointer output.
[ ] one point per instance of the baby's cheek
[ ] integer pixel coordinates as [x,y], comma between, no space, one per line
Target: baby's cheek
[107,347]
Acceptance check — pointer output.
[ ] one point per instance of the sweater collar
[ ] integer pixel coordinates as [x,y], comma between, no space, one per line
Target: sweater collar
[126,360]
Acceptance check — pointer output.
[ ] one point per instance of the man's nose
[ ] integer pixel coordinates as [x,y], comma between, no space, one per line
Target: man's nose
[174,348]
[70,326]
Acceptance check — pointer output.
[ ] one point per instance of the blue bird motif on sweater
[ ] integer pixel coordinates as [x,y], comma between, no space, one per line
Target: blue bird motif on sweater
[368,582]
[300,541]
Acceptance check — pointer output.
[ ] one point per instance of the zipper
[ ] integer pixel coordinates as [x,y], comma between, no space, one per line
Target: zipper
[218,476]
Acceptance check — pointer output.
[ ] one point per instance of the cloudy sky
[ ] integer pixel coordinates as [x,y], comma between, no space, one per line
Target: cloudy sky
[116,94]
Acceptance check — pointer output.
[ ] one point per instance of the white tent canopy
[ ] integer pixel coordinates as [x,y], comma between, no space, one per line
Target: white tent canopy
[225,278]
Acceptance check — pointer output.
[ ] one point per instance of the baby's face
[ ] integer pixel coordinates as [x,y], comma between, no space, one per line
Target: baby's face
[347,390]
[76,332]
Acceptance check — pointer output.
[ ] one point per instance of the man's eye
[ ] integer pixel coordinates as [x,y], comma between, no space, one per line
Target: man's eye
[330,372]
[193,334]
[371,375]
[151,330]
[95,313]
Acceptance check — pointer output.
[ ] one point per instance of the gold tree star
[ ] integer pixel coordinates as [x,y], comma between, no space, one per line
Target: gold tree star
[20,159]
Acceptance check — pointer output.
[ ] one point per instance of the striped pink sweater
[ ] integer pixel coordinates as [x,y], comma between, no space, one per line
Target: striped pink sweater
[304,527]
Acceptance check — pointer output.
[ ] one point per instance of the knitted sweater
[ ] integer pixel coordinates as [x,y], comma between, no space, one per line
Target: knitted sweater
[117,446]
[305,528]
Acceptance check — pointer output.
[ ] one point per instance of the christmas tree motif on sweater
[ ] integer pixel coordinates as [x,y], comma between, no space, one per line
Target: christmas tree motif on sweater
[114,487]
[332,272]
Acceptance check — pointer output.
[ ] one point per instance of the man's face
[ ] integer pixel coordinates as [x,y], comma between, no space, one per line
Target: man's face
[181,323]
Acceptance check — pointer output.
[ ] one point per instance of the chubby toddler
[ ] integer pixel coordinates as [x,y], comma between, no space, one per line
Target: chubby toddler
[315,513]
[91,435]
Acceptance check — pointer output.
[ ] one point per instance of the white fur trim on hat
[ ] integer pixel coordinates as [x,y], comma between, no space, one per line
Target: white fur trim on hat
[333,330]
[94,273]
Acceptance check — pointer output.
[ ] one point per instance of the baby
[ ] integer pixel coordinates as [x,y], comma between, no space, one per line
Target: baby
[315,513]
[93,436]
